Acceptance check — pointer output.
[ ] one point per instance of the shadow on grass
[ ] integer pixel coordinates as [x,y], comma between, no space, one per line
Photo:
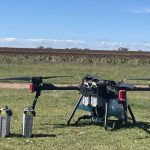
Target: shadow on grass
[81,124]
[64,125]
[41,135]
[12,135]
[145,126]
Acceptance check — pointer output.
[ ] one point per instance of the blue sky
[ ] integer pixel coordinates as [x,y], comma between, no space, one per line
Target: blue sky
[94,24]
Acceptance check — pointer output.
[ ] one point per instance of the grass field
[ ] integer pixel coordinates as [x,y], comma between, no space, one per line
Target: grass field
[54,107]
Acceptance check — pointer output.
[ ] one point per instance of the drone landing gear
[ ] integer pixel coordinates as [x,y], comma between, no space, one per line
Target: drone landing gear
[123,120]
[82,117]
[128,108]
[72,114]
[131,113]
[91,116]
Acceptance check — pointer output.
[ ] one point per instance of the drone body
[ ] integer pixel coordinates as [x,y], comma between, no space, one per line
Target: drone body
[102,99]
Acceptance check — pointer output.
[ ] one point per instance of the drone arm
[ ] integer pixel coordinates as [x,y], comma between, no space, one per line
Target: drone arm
[139,89]
[66,87]
[45,86]
[52,87]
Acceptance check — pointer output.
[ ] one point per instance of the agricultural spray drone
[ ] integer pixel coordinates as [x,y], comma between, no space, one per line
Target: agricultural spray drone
[103,99]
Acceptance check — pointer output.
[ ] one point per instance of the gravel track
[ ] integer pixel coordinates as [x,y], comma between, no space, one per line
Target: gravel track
[14,85]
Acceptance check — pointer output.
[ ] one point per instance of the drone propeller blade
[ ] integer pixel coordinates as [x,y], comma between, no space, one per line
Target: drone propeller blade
[55,77]
[30,78]
[144,79]
[16,78]
[126,85]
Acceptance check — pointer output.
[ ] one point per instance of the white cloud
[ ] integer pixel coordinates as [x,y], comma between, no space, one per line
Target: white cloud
[55,43]
[33,40]
[147,46]
[112,45]
[33,43]
[141,11]
[137,11]
[7,39]
[52,41]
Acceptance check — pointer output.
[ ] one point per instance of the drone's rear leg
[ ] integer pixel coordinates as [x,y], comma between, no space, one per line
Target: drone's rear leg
[82,117]
[131,113]
[72,114]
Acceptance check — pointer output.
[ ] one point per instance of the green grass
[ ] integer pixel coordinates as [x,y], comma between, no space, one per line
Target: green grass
[105,71]
[50,130]
[54,107]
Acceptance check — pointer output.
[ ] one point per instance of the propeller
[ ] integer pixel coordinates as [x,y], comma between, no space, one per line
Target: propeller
[126,85]
[30,78]
[144,79]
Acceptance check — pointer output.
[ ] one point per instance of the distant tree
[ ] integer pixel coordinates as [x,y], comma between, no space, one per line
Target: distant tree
[85,49]
[40,47]
[75,48]
[123,49]
[49,48]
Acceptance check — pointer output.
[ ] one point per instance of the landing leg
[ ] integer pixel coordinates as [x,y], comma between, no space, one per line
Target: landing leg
[131,113]
[72,114]
[82,117]
[125,113]
[106,115]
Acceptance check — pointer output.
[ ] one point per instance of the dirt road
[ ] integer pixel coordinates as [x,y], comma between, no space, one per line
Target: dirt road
[14,85]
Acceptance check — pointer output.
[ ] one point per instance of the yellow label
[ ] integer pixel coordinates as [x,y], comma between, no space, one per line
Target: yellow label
[28,113]
[3,113]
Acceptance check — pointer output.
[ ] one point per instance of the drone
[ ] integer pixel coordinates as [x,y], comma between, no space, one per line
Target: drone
[101,99]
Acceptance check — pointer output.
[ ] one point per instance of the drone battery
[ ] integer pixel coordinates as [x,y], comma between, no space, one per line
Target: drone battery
[115,109]
[5,115]
[86,101]
[28,122]
[94,101]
